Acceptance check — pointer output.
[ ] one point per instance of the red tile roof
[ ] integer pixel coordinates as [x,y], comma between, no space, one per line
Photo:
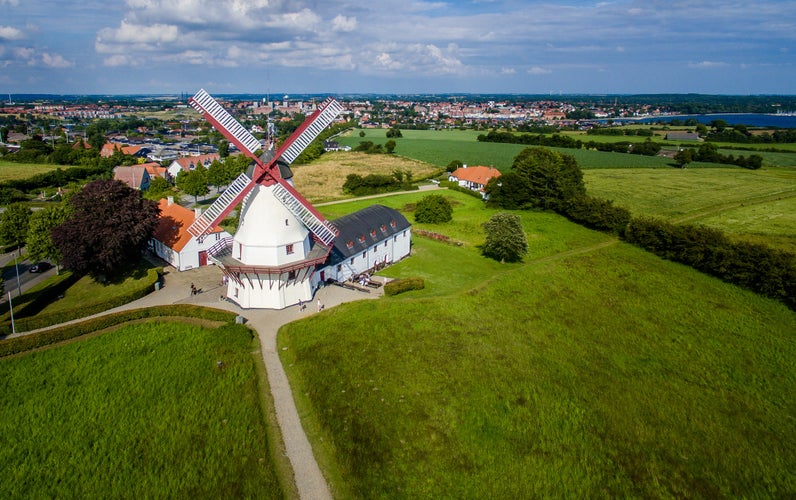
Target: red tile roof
[477,174]
[172,230]
[110,147]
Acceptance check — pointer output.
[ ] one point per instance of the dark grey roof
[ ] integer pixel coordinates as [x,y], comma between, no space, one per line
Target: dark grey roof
[357,230]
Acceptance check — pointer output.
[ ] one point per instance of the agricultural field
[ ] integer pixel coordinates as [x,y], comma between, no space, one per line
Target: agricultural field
[591,369]
[143,411]
[10,170]
[440,147]
[756,205]
[323,179]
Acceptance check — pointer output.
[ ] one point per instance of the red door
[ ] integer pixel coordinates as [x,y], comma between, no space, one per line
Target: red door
[323,276]
[202,259]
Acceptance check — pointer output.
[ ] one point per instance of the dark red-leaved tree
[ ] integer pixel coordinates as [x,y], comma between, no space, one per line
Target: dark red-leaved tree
[106,229]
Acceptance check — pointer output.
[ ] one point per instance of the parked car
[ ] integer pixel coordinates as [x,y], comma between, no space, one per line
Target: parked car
[40,267]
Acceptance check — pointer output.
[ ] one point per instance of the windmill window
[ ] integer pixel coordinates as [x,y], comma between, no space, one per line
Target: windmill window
[286,222]
[291,275]
[289,248]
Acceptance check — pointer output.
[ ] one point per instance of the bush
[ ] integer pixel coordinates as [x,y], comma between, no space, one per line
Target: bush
[400,286]
[433,209]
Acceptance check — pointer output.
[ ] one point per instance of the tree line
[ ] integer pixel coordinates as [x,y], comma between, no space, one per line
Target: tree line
[546,179]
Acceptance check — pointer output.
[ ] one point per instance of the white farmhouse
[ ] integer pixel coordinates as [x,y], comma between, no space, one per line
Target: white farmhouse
[173,243]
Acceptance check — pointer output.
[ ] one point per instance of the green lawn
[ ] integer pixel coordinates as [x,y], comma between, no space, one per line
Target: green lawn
[609,373]
[10,170]
[140,412]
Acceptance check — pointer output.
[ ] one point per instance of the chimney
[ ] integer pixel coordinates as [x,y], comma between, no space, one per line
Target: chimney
[197,212]
[170,201]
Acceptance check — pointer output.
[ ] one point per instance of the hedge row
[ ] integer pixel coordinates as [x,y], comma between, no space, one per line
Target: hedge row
[596,213]
[404,285]
[454,186]
[35,340]
[764,270]
[23,324]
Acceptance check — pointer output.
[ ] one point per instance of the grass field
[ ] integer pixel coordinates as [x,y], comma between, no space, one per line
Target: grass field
[323,179]
[140,412]
[10,170]
[756,205]
[440,147]
[606,373]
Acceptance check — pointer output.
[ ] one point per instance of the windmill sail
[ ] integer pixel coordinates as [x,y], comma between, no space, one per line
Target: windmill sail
[298,206]
[225,123]
[223,205]
[309,130]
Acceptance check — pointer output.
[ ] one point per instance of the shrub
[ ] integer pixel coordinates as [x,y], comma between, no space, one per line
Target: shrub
[400,286]
[596,213]
[433,209]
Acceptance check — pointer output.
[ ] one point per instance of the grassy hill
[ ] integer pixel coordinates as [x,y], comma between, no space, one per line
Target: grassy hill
[591,369]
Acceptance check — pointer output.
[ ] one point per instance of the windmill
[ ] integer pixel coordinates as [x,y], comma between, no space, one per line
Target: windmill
[281,237]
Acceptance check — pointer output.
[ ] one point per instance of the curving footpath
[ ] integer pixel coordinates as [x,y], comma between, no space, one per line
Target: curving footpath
[175,289]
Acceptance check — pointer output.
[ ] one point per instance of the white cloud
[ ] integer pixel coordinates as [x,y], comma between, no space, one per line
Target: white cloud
[707,64]
[134,33]
[10,33]
[11,3]
[342,23]
[507,71]
[538,70]
[117,60]
[55,61]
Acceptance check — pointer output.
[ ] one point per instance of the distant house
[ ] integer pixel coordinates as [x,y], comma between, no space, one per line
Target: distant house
[330,145]
[111,147]
[474,178]
[679,135]
[173,243]
[155,170]
[135,176]
[187,163]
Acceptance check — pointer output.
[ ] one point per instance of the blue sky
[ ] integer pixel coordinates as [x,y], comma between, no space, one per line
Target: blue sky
[397,46]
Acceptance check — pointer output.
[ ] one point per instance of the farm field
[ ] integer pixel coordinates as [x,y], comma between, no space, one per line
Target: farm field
[143,411]
[323,179]
[715,197]
[10,170]
[603,373]
[440,147]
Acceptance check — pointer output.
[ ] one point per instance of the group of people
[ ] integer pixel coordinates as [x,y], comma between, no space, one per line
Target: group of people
[194,290]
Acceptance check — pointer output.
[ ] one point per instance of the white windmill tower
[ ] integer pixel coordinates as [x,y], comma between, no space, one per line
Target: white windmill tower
[281,237]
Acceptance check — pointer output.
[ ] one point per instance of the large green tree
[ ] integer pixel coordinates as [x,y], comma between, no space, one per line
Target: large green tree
[505,238]
[552,177]
[433,209]
[193,182]
[107,227]
[14,223]
[40,242]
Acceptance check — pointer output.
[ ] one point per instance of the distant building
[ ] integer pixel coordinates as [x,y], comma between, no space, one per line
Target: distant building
[111,147]
[135,176]
[474,178]
[188,163]
[679,135]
